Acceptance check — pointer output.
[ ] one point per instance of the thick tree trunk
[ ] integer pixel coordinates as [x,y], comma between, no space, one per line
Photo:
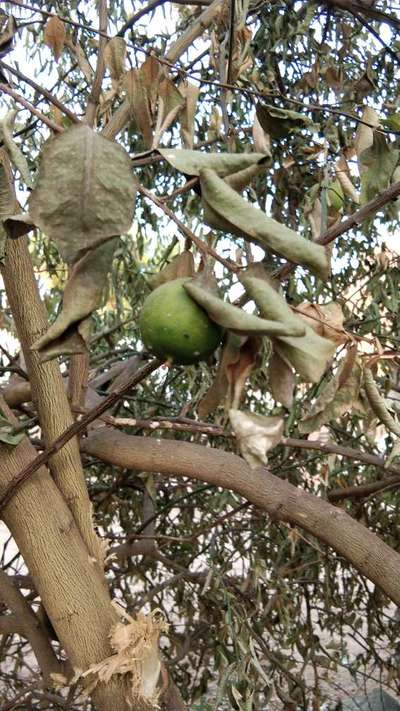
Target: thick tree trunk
[67,579]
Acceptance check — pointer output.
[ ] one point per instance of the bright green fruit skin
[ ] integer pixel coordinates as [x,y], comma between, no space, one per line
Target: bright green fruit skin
[175,328]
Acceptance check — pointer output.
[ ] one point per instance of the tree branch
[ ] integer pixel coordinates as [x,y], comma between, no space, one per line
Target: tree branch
[75,429]
[29,626]
[94,95]
[27,105]
[282,501]
[355,220]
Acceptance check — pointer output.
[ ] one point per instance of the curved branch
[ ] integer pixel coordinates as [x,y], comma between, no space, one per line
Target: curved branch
[282,501]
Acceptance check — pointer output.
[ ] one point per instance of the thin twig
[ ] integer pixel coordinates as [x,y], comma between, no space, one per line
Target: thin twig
[203,247]
[94,95]
[355,220]
[45,92]
[27,105]
[75,429]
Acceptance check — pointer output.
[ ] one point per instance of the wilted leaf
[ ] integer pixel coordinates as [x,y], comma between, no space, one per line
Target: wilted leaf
[281,380]
[190,92]
[114,57]
[8,202]
[180,266]
[82,295]
[54,35]
[238,371]
[343,176]
[74,340]
[365,134]
[278,122]
[379,162]
[239,180]
[85,191]
[18,225]
[256,435]
[220,389]
[326,320]
[16,156]
[242,219]
[309,354]
[339,395]
[192,162]
[137,94]
[8,28]
[262,141]
[235,319]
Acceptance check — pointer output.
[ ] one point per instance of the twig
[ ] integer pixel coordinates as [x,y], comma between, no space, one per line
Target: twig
[45,92]
[203,247]
[180,191]
[75,429]
[389,50]
[152,6]
[94,95]
[231,40]
[362,491]
[356,219]
[27,105]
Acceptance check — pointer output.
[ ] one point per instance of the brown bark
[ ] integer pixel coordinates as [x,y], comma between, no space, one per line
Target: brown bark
[283,501]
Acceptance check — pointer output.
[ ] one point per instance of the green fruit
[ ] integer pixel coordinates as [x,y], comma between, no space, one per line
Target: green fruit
[335,195]
[175,328]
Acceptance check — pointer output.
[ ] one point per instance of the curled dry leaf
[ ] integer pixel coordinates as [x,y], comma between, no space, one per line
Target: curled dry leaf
[8,201]
[222,388]
[379,162]
[235,319]
[365,134]
[281,380]
[309,354]
[339,395]
[85,191]
[82,295]
[262,141]
[190,93]
[180,266]
[278,122]
[256,435]
[326,320]
[8,28]
[114,57]
[225,209]
[54,35]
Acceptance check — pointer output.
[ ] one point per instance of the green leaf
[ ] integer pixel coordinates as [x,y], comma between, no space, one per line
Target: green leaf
[192,162]
[85,191]
[392,122]
[380,161]
[225,209]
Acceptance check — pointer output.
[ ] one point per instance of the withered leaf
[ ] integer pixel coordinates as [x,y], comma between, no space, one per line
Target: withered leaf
[85,191]
[235,319]
[192,162]
[82,295]
[379,162]
[15,154]
[281,380]
[309,354]
[256,435]
[220,389]
[339,395]
[190,92]
[180,266]
[114,57]
[326,320]
[8,28]
[244,220]
[54,35]
[278,122]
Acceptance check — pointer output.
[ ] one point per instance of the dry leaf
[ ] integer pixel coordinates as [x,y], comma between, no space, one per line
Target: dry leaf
[326,320]
[256,435]
[365,134]
[261,139]
[114,57]
[54,35]
[180,266]
[190,92]
[281,380]
[85,191]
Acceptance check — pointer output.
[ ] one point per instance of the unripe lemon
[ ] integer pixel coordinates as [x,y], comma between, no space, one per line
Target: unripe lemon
[175,328]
